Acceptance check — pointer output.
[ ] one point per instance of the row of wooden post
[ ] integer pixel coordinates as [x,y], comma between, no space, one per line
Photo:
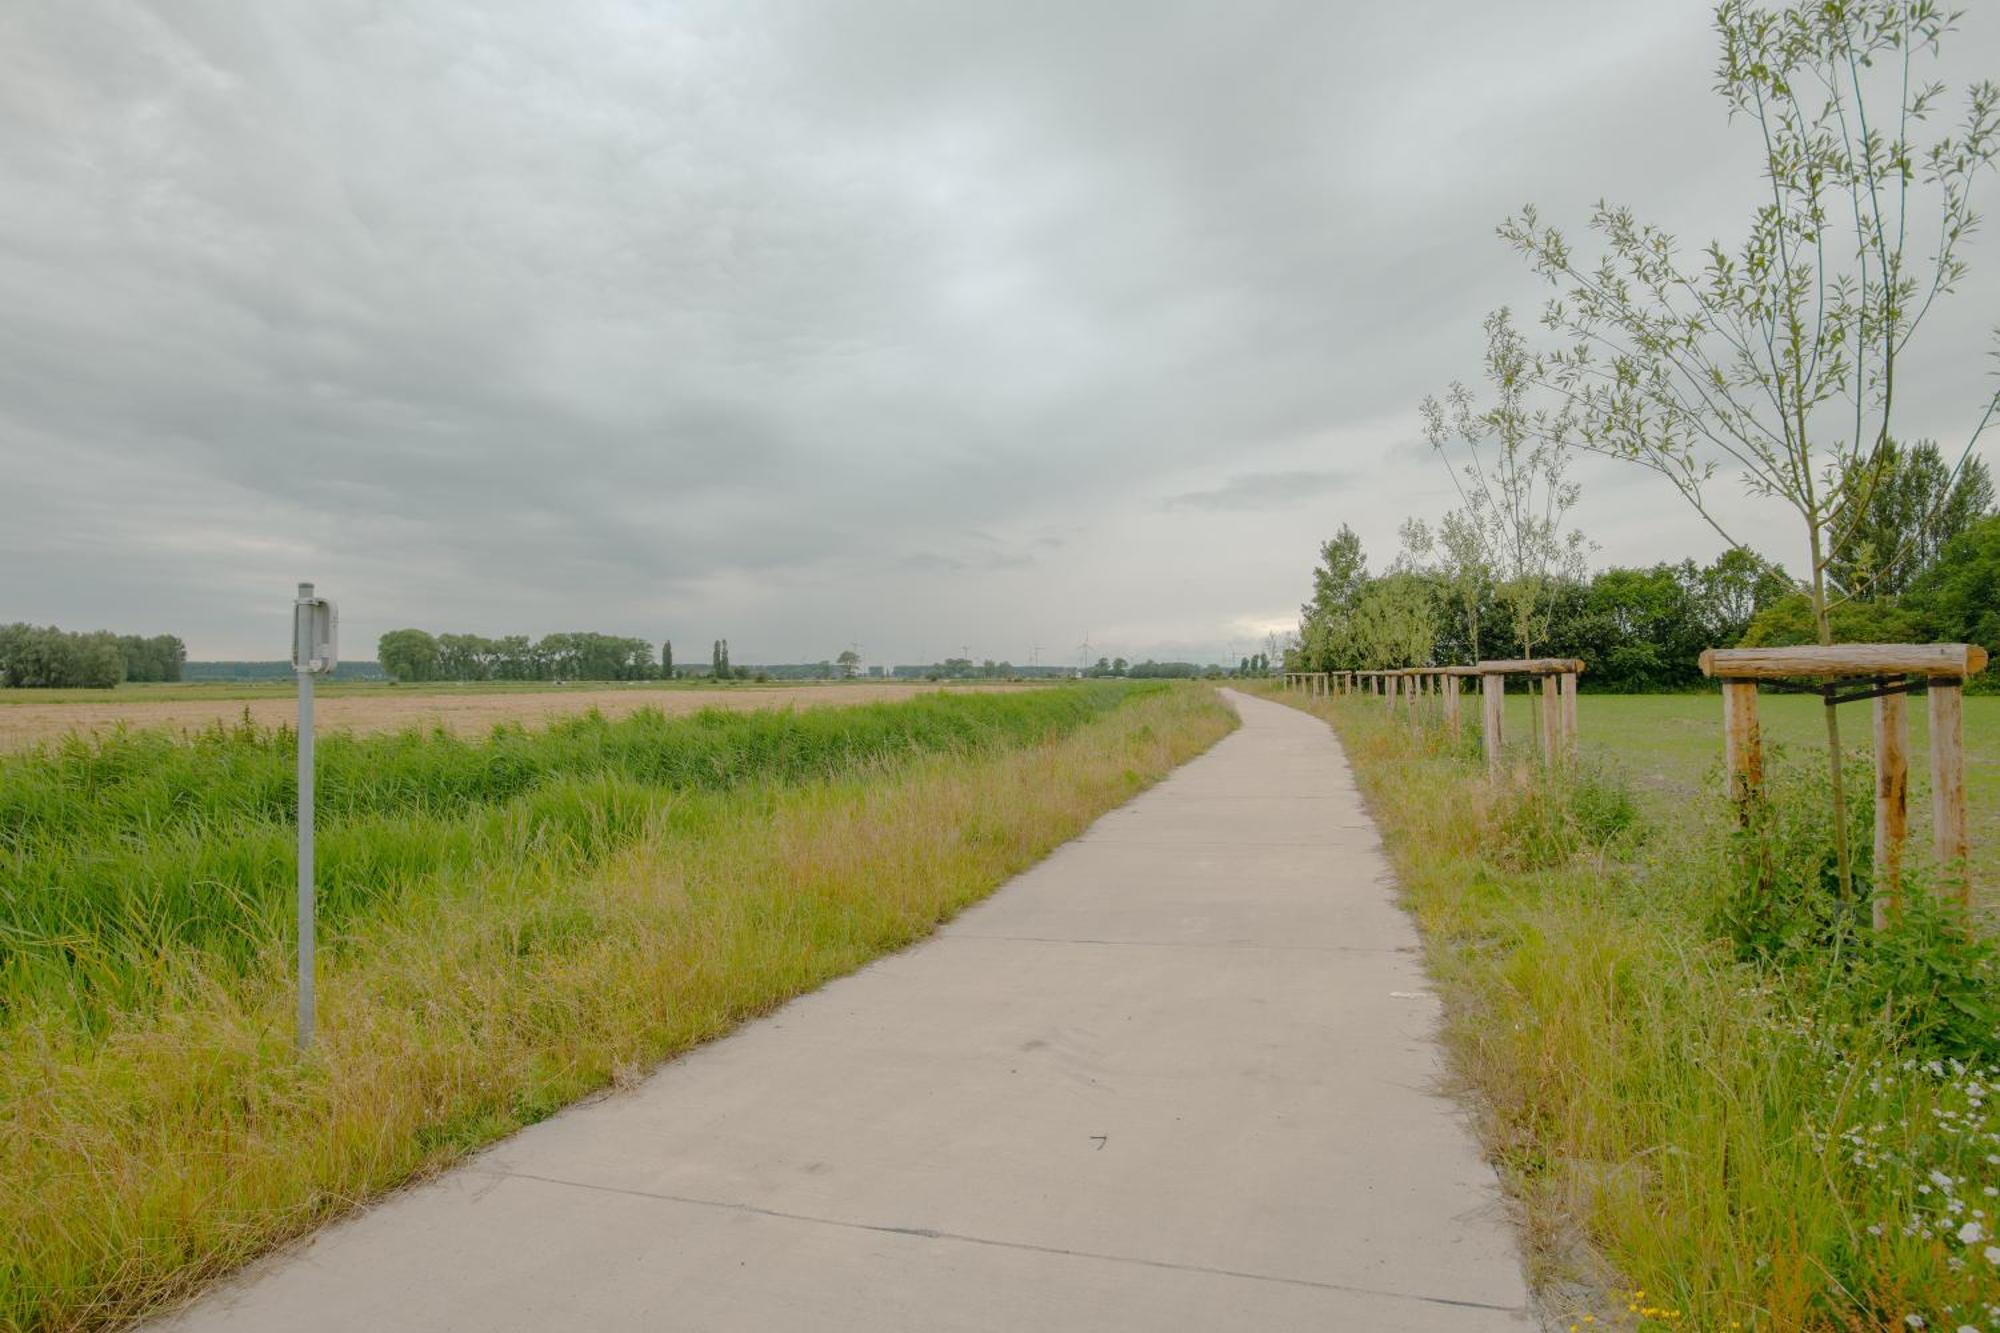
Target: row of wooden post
[1887,670]
[1556,731]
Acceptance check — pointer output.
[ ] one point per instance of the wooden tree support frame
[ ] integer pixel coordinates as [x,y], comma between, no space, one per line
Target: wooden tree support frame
[1851,673]
[1556,726]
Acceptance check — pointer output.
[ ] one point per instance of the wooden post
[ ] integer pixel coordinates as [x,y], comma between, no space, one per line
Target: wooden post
[1551,722]
[1451,704]
[1492,702]
[1569,714]
[1389,692]
[1892,804]
[1954,839]
[1742,746]
[1411,685]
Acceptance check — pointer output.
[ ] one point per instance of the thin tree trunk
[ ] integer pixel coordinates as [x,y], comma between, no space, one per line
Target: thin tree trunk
[1842,855]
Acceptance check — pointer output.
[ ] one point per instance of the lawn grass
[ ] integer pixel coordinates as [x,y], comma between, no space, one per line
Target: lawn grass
[1701,1140]
[155,1134]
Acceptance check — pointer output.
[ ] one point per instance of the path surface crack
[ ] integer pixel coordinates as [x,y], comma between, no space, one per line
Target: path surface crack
[929,1233]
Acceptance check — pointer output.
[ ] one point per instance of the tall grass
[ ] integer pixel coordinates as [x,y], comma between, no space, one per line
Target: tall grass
[656,884]
[1753,1138]
[120,851]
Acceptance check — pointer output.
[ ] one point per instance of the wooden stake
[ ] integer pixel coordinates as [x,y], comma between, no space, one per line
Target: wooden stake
[1451,704]
[1568,679]
[1954,840]
[1551,722]
[1892,805]
[1742,745]
[1492,701]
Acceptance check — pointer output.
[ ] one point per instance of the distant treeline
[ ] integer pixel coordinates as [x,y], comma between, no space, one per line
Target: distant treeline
[417,655]
[45,657]
[277,670]
[964,668]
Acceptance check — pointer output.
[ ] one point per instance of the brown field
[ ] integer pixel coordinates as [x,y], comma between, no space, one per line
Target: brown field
[25,724]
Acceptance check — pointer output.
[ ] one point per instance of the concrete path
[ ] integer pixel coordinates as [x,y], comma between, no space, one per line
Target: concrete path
[1181,1075]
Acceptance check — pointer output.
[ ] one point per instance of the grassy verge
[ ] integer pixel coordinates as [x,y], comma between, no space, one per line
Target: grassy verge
[1711,1127]
[156,1129]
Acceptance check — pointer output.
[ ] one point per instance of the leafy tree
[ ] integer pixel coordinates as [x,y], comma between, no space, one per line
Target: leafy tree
[45,657]
[667,660]
[850,663]
[1732,590]
[408,655]
[1395,622]
[1906,505]
[1337,583]
[1790,621]
[1959,595]
[158,658]
[1514,484]
[1780,361]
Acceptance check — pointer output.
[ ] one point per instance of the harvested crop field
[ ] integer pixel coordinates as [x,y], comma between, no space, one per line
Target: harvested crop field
[469,712]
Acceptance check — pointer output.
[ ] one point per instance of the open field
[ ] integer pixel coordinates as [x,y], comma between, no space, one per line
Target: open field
[509,923]
[1712,1123]
[30,716]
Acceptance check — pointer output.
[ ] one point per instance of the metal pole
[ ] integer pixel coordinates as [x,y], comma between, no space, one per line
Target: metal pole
[302,629]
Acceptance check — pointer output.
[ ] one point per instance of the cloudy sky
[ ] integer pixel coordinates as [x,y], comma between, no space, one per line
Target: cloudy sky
[918,325]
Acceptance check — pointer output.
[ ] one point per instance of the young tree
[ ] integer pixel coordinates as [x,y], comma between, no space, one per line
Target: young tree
[1514,526]
[667,660]
[1780,361]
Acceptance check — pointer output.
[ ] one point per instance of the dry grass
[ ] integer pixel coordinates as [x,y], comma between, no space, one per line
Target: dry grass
[172,1146]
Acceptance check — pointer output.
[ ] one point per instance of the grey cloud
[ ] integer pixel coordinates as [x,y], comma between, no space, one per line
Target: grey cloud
[1261,490]
[796,324]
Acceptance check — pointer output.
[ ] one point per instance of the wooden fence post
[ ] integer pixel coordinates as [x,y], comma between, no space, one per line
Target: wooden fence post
[1451,704]
[1742,746]
[1892,804]
[1569,714]
[1953,837]
[1551,722]
[1492,702]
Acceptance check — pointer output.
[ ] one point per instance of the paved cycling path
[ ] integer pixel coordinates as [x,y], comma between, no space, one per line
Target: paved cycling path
[1182,1074]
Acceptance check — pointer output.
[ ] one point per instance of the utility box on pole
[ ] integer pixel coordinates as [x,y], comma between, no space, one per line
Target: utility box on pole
[315,651]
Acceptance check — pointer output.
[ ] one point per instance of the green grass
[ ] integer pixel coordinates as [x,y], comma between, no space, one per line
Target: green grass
[510,924]
[187,691]
[1670,747]
[1701,1139]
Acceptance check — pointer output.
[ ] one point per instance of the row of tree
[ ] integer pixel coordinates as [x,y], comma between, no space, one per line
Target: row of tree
[44,656]
[1444,600]
[417,655]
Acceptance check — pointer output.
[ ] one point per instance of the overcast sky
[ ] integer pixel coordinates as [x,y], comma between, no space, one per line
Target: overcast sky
[922,326]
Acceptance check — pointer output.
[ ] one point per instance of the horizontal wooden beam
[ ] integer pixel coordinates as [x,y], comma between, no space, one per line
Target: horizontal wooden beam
[1537,666]
[1936,660]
